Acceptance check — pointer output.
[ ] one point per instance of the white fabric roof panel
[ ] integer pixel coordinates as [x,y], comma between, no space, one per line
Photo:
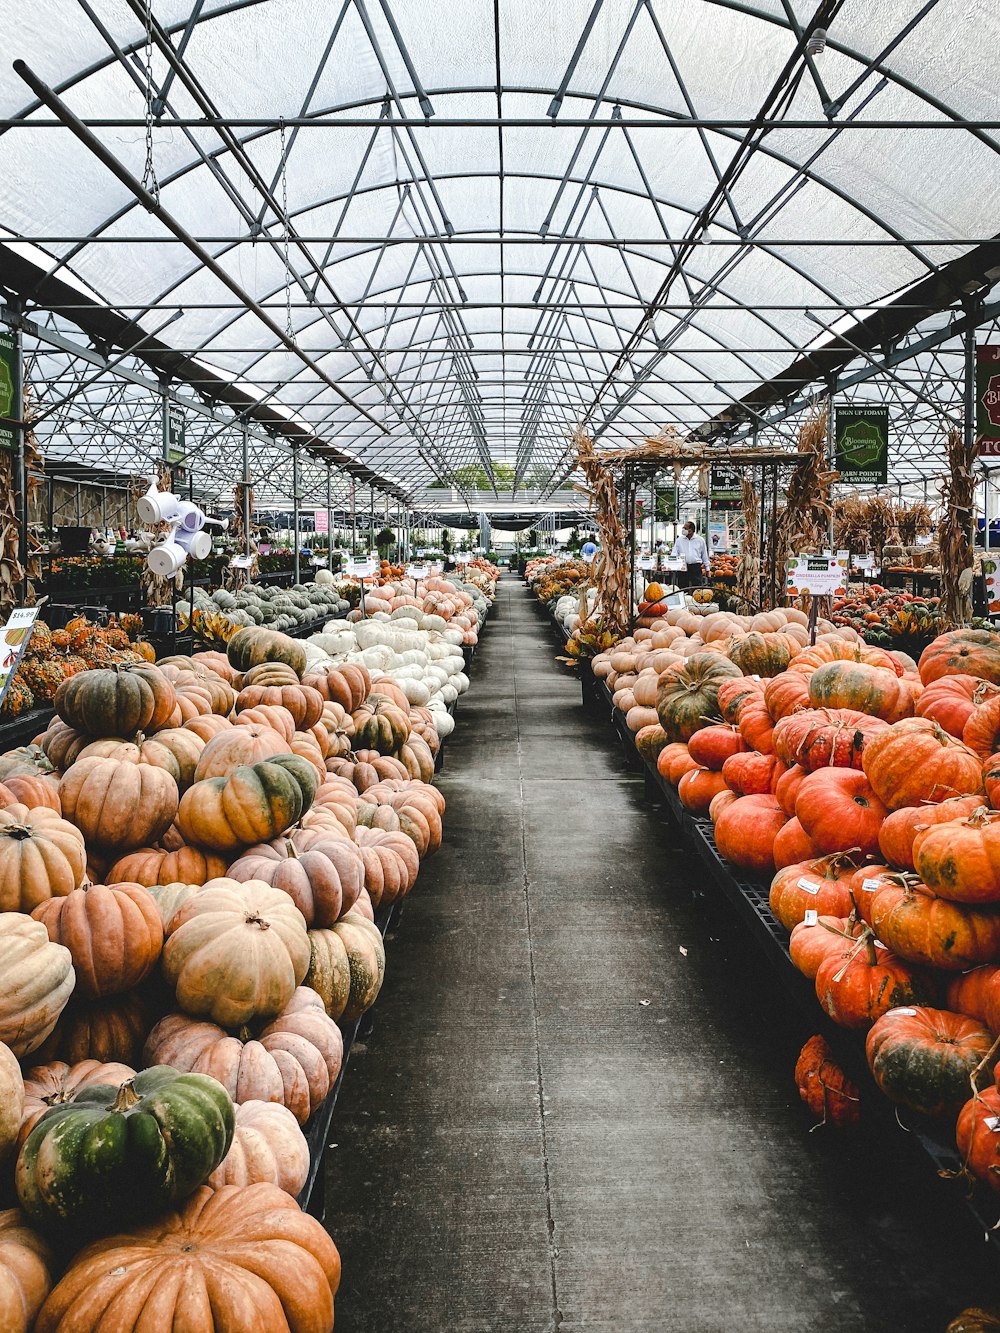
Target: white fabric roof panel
[445,311]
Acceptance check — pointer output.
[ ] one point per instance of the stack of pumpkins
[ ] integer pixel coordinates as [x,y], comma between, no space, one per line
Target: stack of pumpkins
[866,787]
[439,603]
[191,858]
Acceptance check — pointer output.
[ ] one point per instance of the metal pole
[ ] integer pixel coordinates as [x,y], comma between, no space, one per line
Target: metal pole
[295,507]
[354,519]
[246,492]
[329,521]
[17,408]
[371,517]
[830,459]
[969,415]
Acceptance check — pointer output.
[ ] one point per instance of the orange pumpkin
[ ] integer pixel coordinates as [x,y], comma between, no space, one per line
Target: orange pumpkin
[54,1083]
[41,856]
[982,728]
[746,832]
[793,844]
[968,652]
[697,788]
[114,935]
[960,860]
[927,1059]
[321,873]
[110,1031]
[276,717]
[951,700]
[26,1272]
[304,703]
[34,792]
[925,929]
[786,694]
[824,1087]
[974,992]
[811,942]
[755,724]
[348,685]
[916,761]
[820,885]
[976,1136]
[153,865]
[862,983]
[239,745]
[900,828]
[825,737]
[732,694]
[258,1260]
[255,803]
[839,811]
[752,774]
[712,746]
[786,789]
[877,691]
[118,805]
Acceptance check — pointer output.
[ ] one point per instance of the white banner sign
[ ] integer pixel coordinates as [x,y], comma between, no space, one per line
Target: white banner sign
[821,575]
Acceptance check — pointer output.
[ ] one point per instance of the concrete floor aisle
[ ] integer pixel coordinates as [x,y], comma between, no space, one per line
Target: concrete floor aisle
[576,1110]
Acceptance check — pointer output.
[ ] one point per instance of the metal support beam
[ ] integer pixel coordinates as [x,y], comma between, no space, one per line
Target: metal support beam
[295,509]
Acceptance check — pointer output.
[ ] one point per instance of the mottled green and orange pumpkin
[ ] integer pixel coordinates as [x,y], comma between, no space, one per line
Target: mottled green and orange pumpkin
[254,804]
[687,697]
[116,701]
[925,1059]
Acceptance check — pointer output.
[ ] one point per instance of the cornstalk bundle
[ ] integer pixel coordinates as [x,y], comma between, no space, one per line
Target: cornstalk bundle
[748,575]
[914,521]
[611,564]
[239,578]
[803,523]
[869,524]
[955,533]
[12,571]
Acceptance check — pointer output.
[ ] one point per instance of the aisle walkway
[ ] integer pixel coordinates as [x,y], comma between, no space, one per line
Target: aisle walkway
[576,1110]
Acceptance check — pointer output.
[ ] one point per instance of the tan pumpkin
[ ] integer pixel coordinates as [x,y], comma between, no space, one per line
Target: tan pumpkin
[41,856]
[113,933]
[207,726]
[26,1272]
[322,873]
[270,673]
[111,1031]
[276,717]
[391,863]
[416,757]
[11,1109]
[348,685]
[419,808]
[174,749]
[37,981]
[236,952]
[347,966]
[267,1146]
[153,865]
[170,898]
[255,803]
[36,792]
[118,805]
[236,746]
[294,1060]
[304,704]
[365,768]
[339,796]
[305,745]
[55,1083]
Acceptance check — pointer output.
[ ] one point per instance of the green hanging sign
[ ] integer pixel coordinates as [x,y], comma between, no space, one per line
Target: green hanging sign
[725,486]
[8,389]
[861,445]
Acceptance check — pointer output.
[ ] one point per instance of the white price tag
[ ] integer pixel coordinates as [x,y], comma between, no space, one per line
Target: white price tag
[902,1013]
[992,1122]
[812,917]
[809,886]
[871,885]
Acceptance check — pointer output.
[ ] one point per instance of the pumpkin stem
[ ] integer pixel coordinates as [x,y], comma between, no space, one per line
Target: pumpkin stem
[19,832]
[127,1097]
[974,1076]
[254,919]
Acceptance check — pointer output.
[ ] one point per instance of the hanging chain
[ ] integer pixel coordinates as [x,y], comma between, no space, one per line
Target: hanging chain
[149,181]
[284,214]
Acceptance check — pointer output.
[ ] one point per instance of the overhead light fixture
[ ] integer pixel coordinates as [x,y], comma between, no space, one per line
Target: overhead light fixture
[816,44]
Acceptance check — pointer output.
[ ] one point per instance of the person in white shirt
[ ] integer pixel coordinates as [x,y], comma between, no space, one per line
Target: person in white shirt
[691,548]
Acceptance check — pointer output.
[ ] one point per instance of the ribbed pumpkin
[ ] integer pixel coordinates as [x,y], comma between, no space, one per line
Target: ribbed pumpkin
[116,701]
[982,728]
[261,1263]
[839,811]
[825,737]
[347,966]
[951,700]
[971,993]
[824,1087]
[294,1060]
[236,952]
[251,646]
[960,860]
[391,863]
[111,1031]
[117,805]
[927,930]
[270,673]
[321,873]
[697,788]
[811,942]
[113,934]
[254,804]
[712,746]
[916,761]
[11,1106]
[752,774]
[267,1146]
[840,650]
[746,831]
[304,703]
[792,844]
[786,694]
[380,724]
[418,807]
[649,741]
[116,1154]
[276,717]
[968,652]
[348,685]
[170,898]
[37,980]
[755,724]
[760,654]
[977,1139]
[41,856]
[862,983]
[153,865]
[733,693]
[899,829]
[174,749]
[57,1082]
[366,768]
[34,792]
[866,689]
[237,746]
[991,780]
[925,1059]
[26,1269]
[687,696]
[820,885]
[786,788]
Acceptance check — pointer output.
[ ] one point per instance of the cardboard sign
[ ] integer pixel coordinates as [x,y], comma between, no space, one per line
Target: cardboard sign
[362,569]
[14,639]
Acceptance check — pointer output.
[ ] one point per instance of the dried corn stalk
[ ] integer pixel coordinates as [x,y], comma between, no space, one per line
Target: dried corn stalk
[868,523]
[613,610]
[914,521]
[804,522]
[243,501]
[16,579]
[748,573]
[955,533]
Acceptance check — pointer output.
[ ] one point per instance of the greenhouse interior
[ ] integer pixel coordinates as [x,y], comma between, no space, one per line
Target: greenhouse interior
[500,679]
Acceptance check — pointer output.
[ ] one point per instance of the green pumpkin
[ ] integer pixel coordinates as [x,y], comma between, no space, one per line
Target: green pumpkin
[760,654]
[113,1156]
[116,701]
[252,646]
[687,697]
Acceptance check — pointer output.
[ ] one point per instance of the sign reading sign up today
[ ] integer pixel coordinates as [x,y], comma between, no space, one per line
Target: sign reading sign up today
[8,388]
[13,641]
[861,445]
[821,575]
